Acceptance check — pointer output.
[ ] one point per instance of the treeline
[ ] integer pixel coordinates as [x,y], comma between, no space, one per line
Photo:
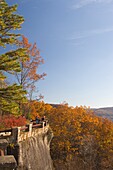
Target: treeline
[81,140]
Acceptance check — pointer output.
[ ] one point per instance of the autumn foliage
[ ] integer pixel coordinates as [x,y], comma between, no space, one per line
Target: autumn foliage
[81,140]
[28,75]
[12,121]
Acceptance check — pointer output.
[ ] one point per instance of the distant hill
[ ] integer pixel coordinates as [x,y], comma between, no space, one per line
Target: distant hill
[106,112]
[54,105]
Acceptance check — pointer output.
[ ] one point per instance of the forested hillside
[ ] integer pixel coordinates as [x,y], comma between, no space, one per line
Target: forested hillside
[81,139]
[106,112]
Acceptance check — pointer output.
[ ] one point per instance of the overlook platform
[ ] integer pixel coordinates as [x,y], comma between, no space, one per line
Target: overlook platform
[10,138]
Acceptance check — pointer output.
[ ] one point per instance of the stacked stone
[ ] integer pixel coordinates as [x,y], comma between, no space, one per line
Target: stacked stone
[7,162]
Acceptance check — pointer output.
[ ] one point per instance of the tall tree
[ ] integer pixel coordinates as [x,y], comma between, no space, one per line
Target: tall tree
[9,22]
[28,75]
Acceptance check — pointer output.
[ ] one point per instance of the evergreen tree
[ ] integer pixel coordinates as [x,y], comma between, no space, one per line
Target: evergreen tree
[10,95]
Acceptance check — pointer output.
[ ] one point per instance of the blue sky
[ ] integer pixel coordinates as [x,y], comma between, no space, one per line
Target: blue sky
[75,38]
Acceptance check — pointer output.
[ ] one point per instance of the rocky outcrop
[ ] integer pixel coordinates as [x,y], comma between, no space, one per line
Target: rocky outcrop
[34,153]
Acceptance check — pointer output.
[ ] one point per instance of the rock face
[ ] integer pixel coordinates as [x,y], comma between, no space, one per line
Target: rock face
[34,153]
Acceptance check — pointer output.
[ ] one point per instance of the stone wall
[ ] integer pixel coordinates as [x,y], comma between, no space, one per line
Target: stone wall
[30,147]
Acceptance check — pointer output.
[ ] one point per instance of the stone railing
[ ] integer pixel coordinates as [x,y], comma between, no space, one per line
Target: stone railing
[14,136]
[15,131]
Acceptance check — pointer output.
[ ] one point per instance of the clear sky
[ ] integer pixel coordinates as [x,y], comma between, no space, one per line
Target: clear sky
[75,38]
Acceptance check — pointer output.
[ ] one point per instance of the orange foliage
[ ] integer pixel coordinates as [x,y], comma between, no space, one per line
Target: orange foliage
[39,108]
[28,75]
[78,132]
[12,121]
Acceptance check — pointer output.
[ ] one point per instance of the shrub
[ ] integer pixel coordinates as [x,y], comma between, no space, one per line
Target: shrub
[11,121]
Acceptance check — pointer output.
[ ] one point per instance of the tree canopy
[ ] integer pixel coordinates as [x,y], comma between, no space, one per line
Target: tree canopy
[28,75]
[9,23]
[81,139]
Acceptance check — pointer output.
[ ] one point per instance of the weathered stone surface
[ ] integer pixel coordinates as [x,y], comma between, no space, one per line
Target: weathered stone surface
[31,149]
[7,162]
[34,153]
[3,143]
